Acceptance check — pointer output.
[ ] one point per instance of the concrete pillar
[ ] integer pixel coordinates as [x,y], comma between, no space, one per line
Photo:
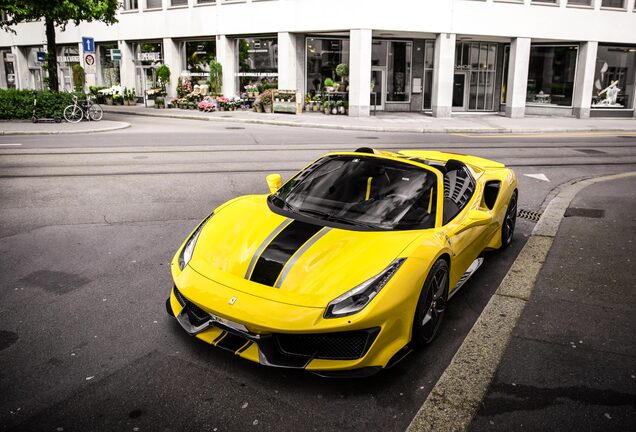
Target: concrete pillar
[360,72]
[443,74]
[517,77]
[172,58]
[584,79]
[228,57]
[291,62]
[127,65]
[21,66]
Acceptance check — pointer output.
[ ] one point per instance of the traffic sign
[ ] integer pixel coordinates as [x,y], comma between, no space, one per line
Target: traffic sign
[41,56]
[115,54]
[89,63]
[89,44]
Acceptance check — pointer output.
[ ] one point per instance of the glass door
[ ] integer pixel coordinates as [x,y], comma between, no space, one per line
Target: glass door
[378,84]
[459,91]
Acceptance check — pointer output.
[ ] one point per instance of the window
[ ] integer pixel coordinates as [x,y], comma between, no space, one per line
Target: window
[614,78]
[130,5]
[178,2]
[258,61]
[580,3]
[197,58]
[617,4]
[323,56]
[109,69]
[554,2]
[479,59]
[429,65]
[398,85]
[551,75]
[459,186]
[153,4]
[206,1]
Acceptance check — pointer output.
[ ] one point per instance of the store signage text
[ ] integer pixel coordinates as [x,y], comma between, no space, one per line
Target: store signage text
[462,67]
[9,57]
[68,59]
[149,56]
[256,74]
[195,74]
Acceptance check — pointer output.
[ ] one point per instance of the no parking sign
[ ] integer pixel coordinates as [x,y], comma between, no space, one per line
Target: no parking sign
[89,63]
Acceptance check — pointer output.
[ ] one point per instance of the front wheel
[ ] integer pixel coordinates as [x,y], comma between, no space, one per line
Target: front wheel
[510,220]
[431,304]
[73,114]
[95,112]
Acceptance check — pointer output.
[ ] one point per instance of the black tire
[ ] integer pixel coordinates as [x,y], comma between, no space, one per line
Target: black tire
[34,119]
[431,304]
[509,222]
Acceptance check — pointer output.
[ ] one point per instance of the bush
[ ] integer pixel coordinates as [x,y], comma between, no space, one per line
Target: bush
[79,77]
[18,104]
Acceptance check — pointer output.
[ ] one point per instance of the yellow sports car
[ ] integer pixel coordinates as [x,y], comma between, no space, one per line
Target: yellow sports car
[348,265]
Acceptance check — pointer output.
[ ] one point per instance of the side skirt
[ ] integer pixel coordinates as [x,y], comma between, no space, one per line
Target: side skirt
[462,280]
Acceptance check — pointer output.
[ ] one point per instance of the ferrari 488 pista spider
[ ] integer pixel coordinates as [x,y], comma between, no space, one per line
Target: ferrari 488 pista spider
[347,265]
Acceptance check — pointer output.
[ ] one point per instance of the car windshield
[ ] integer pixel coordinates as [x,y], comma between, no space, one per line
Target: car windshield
[363,191]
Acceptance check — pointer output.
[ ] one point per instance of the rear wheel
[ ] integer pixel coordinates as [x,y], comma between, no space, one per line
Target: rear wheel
[95,112]
[73,114]
[509,222]
[431,304]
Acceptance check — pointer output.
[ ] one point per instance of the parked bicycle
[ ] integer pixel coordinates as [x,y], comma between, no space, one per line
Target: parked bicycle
[83,109]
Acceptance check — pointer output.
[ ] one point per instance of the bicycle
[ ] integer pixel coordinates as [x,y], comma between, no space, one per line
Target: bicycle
[86,109]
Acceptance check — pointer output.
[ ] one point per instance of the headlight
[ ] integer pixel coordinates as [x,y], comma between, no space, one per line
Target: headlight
[188,249]
[355,300]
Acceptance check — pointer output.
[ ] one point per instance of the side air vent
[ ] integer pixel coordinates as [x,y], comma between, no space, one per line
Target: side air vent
[365,150]
[491,192]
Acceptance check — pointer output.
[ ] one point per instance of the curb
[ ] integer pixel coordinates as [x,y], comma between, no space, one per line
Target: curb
[495,130]
[122,125]
[458,394]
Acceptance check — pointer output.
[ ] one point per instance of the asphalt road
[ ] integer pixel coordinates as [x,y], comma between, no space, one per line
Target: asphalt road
[89,224]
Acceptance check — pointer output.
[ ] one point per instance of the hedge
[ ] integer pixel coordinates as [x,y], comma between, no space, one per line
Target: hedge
[18,104]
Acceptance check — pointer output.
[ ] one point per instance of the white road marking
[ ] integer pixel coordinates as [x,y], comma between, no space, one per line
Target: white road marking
[539,176]
[10,145]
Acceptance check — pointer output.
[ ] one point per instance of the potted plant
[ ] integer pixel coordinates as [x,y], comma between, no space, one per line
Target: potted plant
[266,101]
[163,76]
[340,107]
[308,102]
[334,108]
[216,77]
[329,85]
[316,100]
[160,102]
[342,70]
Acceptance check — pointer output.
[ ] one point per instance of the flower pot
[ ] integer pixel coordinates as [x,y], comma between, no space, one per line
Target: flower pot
[221,108]
[307,107]
[315,108]
[109,100]
[258,108]
[334,110]
[268,109]
[341,110]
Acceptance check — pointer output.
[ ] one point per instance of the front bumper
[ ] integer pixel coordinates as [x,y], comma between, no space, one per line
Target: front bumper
[285,350]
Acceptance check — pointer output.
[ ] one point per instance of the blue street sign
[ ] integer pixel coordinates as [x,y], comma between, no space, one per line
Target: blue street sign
[89,44]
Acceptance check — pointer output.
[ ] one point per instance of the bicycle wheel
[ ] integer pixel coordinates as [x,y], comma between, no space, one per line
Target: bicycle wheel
[95,112]
[73,114]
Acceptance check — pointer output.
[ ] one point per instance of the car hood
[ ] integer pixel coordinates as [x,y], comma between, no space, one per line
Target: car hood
[317,263]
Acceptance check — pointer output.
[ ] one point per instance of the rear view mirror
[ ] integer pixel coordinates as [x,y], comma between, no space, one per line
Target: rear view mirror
[274,181]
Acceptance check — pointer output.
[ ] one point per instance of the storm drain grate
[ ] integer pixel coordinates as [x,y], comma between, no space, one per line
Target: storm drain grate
[234,128]
[367,137]
[589,151]
[585,212]
[529,215]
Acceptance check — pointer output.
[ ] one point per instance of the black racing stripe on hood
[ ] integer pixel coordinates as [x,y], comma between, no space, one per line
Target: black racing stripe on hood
[282,247]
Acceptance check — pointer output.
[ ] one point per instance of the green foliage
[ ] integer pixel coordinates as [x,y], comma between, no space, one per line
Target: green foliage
[270,85]
[216,77]
[60,11]
[329,82]
[342,70]
[18,104]
[79,78]
[163,75]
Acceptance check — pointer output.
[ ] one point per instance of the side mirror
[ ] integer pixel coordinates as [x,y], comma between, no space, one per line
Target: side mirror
[274,181]
[474,219]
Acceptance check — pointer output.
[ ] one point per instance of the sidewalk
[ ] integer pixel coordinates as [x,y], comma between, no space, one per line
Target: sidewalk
[26,127]
[397,122]
[571,362]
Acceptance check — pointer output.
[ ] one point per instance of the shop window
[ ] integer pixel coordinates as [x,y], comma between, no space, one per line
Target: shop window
[398,86]
[478,60]
[551,75]
[68,56]
[614,4]
[178,2]
[148,56]
[258,61]
[323,56]
[198,55]
[9,68]
[580,3]
[130,5]
[379,51]
[153,4]
[614,78]
[109,69]
[429,65]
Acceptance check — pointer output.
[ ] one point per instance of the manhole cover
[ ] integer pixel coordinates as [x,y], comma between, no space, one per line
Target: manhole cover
[367,137]
[234,128]
[585,212]
[590,151]
[529,215]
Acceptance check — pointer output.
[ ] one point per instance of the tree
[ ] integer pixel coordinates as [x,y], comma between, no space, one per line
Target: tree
[56,13]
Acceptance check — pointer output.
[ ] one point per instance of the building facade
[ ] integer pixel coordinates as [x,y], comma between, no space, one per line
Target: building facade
[551,57]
